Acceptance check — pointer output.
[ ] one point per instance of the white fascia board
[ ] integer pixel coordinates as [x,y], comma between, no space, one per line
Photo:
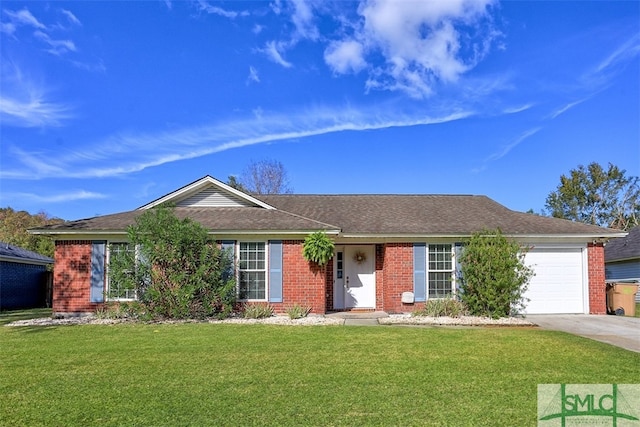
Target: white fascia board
[114,235]
[270,232]
[194,186]
[586,238]
[575,238]
[93,235]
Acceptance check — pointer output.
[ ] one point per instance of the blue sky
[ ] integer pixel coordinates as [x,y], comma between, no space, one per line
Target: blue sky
[105,106]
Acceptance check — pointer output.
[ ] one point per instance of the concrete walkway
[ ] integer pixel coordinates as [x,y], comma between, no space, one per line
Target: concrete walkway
[366,318]
[620,331]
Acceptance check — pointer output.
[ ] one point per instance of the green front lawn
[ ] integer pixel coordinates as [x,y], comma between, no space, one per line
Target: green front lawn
[237,375]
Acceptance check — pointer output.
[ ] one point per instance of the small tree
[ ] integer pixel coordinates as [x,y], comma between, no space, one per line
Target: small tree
[494,275]
[178,270]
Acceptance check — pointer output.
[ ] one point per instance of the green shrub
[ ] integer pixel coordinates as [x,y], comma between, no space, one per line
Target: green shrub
[442,307]
[257,311]
[297,311]
[177,269]
[494,275]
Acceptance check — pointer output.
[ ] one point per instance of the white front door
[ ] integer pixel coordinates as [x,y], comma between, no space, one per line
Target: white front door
[359,276]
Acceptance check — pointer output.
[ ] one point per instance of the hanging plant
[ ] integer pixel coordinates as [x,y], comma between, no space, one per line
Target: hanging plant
[318,248]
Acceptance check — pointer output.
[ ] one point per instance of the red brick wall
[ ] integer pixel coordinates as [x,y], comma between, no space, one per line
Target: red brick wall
[394,275]
[597,291]
[303,283]
[72,277]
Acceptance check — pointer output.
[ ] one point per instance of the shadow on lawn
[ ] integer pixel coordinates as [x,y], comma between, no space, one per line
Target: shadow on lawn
[32,329]
[7,317]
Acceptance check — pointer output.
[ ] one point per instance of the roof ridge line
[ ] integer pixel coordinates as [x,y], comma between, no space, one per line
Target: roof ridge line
[309,219]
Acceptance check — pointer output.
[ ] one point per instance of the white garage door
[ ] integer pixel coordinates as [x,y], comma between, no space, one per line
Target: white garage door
[558,286]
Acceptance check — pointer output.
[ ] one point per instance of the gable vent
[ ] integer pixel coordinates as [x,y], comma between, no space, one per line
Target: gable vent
[213,197]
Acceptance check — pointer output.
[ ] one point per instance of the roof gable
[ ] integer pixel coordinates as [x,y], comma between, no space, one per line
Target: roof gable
[208,192]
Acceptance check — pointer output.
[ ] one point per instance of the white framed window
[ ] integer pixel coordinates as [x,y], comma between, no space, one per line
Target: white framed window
[120,287]
[440,271]
[252,271]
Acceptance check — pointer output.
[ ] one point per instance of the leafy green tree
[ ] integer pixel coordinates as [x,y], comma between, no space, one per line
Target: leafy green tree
[178,269]
[494,275]
[598,196]
[14,225]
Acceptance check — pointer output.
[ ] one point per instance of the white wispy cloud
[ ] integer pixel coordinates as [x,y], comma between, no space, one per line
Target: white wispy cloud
[44,33]
[215,10]
[503,151]
[517,109]
[56,47]
[623,54]
[271,49]
[122,154]
[24,103]
[58,198]
[303,19]
[253,76]
[566,108]
[24,17]
[71,17]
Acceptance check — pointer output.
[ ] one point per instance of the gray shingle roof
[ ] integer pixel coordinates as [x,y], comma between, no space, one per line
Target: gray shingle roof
[12,252]
[220,218]
[360,215]
[623,248]
[424,214]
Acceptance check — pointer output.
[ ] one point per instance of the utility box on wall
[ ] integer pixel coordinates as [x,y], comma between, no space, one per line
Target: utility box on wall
[408,298]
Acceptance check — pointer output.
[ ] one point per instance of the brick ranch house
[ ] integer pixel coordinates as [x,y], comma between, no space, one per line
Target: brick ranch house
[392,252]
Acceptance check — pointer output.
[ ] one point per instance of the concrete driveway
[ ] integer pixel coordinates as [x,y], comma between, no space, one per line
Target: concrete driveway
[620,331]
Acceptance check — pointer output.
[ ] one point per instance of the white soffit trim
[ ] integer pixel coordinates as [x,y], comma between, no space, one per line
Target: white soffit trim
[192,188]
